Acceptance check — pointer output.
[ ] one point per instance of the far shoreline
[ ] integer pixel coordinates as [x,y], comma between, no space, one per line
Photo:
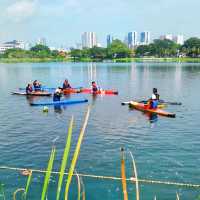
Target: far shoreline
[117,60]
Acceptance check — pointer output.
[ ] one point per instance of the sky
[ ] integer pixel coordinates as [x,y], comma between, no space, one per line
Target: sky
[61,22]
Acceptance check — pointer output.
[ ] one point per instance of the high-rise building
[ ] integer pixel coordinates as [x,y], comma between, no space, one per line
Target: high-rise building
[109,40]
[179,39]
[132,39]
[145,38]
[89,39]
[42,41]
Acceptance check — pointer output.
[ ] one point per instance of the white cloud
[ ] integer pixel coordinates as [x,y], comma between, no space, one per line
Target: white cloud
[21,10]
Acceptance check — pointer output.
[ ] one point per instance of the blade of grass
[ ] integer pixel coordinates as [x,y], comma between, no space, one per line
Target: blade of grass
[18,190]
[155,198]
[48,173]
[177,196]
[79,186]
[136,177]
[83,189]
[76,153]
[65,158]
[28,184]
[2,191]
[123,174]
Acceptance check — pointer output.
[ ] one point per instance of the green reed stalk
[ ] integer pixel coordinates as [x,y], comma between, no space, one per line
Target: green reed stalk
[136,177]
[48,173]
[2,191]
[123,174]
[65,158]
[76,153]
[28,184]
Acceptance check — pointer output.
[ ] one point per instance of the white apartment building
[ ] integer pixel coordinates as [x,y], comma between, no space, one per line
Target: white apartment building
[89,39]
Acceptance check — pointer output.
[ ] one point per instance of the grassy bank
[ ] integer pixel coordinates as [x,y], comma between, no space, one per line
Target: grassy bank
[32,60]
[117,60]
[151,59]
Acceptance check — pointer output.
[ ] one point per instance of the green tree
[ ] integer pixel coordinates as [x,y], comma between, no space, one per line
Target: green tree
[40,47]
[191,47]
[98,53]
[159,48]
[76,53]
[118,49]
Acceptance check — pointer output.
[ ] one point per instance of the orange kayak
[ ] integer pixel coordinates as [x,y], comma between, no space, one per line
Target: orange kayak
[89,91]
[144,108]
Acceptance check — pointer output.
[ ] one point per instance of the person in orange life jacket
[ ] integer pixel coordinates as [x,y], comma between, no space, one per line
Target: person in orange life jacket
[29,89]
[57,95]
[37,85]
[94,87]
[66,85]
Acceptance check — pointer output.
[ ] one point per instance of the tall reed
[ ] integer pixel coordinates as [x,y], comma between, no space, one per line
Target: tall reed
[76,153]
[123,174]
[136,177]
[48,173]
[65,158]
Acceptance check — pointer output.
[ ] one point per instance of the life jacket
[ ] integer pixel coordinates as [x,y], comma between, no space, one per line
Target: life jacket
[154,104]
[94,88]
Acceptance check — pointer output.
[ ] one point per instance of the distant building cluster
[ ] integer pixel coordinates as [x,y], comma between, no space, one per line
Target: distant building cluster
[89,40]
[15,44]
[178,39]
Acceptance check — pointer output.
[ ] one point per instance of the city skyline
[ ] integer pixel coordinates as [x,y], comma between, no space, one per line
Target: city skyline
[62,21]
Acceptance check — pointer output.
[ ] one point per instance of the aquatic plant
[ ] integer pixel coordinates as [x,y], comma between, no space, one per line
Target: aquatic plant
[65,158]
[76,153]
[48,173]
[123,175]
[28,184]
[136,177]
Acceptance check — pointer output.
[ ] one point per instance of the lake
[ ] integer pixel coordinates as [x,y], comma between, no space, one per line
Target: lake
[164,149]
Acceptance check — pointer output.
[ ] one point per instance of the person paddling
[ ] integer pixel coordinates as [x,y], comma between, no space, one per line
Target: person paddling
[66,85]
[153,101]
[37,85]
[29,89]
[94,87]
[57,95]
[155,94]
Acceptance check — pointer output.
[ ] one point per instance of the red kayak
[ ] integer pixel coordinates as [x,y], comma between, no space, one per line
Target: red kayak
[144,108]
[89,91]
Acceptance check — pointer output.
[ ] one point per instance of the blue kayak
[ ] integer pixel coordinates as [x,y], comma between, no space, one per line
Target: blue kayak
[63,102]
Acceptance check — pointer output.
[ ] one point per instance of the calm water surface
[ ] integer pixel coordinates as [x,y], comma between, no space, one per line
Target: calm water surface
[167,150]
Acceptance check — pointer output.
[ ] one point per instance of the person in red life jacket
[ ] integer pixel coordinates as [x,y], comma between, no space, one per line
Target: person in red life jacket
[66,85]
[29,89]
[94,87]
[37,85]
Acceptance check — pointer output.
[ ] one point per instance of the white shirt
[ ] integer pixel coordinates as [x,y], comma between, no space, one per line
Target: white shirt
[153,97]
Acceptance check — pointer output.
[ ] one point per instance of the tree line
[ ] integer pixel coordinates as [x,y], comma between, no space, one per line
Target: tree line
[38,51]
[158,48]
[117,49]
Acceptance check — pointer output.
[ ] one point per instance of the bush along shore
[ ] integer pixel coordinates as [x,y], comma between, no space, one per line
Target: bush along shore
[117,51]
